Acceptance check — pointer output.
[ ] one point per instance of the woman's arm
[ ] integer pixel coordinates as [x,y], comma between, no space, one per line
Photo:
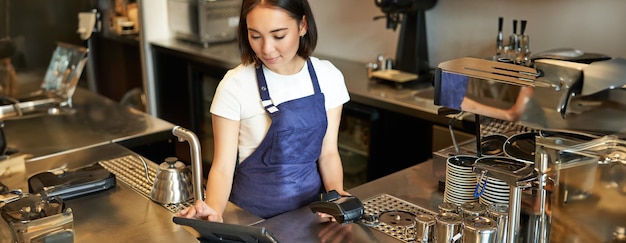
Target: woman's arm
[220,179]
[329,162]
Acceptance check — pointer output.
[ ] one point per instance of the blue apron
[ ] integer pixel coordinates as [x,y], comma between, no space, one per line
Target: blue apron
[281,174]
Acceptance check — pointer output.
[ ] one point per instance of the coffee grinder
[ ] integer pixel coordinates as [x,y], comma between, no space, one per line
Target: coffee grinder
[412,50]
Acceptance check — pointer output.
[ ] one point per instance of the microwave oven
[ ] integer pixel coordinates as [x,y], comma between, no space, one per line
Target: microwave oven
[204,21]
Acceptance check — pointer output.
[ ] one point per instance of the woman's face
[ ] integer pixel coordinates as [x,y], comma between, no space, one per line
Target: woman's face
[275,37]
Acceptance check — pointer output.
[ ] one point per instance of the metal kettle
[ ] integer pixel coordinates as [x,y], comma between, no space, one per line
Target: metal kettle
[172,183]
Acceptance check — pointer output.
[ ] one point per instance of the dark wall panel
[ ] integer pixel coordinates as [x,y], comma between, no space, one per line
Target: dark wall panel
[36,26]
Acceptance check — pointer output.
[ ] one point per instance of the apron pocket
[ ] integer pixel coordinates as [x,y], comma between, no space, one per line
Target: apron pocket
[297,146]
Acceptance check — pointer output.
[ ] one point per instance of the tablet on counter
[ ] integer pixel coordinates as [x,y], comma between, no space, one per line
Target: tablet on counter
[222,232]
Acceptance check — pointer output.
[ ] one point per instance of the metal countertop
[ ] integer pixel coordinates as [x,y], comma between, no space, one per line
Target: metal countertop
[94,132]
[119,214]
[416,185]
[96,120]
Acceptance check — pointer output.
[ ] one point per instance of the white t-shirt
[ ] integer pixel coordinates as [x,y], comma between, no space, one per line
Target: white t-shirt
[237,97]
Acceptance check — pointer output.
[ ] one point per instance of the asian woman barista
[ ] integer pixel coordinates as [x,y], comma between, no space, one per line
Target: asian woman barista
[275,117]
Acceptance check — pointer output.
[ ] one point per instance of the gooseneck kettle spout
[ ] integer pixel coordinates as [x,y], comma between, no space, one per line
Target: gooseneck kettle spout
[196,160]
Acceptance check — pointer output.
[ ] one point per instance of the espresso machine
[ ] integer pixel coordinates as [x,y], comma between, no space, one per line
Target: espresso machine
[576,187]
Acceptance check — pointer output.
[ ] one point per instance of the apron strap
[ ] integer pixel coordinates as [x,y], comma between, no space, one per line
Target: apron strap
[316,85]
[266,101]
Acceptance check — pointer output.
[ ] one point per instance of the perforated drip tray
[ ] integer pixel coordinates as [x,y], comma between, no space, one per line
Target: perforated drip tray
[396,217]
[130,171]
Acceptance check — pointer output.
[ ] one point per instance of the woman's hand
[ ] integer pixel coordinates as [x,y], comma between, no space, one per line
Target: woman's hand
[343,193]
[200,210]
[330,217]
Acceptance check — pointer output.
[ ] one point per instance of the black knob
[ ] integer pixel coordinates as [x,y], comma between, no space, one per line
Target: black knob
[171,160]
[515,26]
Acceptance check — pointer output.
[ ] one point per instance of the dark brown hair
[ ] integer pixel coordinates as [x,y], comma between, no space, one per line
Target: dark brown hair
[297,9]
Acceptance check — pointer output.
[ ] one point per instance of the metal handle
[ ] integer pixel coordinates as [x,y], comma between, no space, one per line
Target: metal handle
[145,167]
[480,188]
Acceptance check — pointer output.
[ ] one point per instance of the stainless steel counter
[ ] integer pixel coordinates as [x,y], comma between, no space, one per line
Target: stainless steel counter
[96,130]
[416,185]
[119,214]
[96,120]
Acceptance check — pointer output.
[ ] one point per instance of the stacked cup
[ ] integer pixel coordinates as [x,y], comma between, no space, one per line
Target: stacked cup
[460,179]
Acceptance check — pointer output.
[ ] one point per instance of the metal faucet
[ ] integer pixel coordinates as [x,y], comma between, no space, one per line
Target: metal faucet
[196,158]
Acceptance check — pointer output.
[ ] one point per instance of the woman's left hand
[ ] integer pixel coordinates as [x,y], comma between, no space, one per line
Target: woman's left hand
[331,218]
